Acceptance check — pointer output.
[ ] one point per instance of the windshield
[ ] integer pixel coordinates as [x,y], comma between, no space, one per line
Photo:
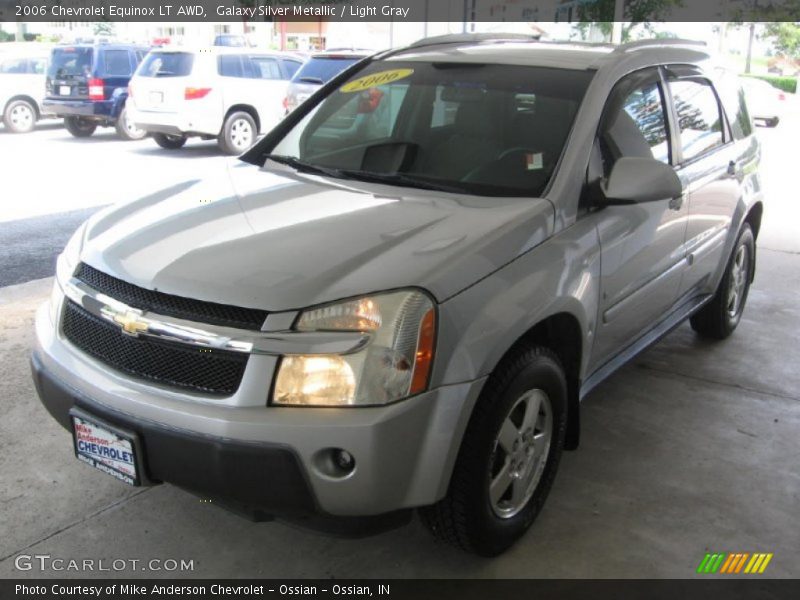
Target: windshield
[495,130]
[322,70]
[71,62]
[166,64]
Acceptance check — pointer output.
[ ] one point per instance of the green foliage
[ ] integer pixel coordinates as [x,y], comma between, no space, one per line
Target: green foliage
[6,37]
[785,37]
[787,84]
[104,28]
[638,15]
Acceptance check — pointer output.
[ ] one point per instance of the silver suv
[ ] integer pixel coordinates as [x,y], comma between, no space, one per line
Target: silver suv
[402,303]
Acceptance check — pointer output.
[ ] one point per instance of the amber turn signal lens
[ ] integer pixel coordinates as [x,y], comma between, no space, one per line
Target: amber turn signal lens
[424,354]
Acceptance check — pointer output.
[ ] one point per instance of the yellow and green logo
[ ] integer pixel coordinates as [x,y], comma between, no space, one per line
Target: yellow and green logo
[734,563]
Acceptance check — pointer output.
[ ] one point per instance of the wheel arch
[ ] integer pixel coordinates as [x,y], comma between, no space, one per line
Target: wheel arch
[247,108]
[28,99]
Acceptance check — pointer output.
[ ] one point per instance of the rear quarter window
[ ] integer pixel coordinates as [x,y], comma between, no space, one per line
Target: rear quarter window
[117,63]
[166,64]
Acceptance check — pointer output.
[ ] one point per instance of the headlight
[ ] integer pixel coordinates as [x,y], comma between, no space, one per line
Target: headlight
[69,258]
[394,365]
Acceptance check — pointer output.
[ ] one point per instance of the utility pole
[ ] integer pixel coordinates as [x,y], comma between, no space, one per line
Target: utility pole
[619,17]
[750,48]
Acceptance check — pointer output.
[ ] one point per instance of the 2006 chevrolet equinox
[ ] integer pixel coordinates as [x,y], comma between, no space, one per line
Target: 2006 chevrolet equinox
[403,302]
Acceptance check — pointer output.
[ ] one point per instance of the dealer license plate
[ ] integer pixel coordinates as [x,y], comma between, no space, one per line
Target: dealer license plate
[105,448]
[65,90]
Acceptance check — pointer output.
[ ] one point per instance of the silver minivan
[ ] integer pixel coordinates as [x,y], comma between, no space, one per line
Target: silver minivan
[399,298]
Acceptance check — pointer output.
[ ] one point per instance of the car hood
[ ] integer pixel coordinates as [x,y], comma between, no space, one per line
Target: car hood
[276,240]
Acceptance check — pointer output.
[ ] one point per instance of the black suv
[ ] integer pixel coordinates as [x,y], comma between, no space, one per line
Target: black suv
[87,85]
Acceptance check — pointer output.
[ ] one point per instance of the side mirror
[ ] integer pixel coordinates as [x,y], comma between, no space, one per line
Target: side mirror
[634,180]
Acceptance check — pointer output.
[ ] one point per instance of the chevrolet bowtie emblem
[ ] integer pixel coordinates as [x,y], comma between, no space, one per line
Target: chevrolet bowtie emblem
[131,323]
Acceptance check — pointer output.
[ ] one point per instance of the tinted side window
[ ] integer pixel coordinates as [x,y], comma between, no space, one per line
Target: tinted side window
[230,66]
[265,67]
[634,123]
[37,66]
[116,63]
[291,67]
[699,117]
[15,66]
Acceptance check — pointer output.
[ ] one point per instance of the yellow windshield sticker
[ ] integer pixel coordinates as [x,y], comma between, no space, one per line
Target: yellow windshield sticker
[375,79]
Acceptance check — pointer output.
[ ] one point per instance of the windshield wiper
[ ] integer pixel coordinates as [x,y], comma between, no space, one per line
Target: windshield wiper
[367,176]
[402,179]
[305,167]
[310,80]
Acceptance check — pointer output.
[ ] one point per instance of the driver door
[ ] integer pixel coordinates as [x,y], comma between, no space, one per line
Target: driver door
[642,245]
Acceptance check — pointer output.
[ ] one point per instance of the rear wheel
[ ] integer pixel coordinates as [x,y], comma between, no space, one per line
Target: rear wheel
[238,133]
[722,314]
[169,142]
[20,116]
[79,126]
[128,130]
[508,458]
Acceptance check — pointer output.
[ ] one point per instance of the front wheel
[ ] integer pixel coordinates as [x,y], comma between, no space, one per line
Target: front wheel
[238,133]
[20,116]
[722,314]
[80,127]
[127,129]
[169,142]
[508,457]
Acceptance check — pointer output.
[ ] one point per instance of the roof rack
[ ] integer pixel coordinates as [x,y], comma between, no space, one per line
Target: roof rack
[463,38]
[657,43]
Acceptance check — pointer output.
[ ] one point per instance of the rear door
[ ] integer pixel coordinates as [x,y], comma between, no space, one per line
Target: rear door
[69,72]
[270,82]
[708,163]
[115,66]
[642,252]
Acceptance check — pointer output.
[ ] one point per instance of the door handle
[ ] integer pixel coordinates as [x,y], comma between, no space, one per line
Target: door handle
[732,168]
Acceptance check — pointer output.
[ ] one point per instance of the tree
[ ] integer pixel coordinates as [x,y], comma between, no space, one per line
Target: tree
[638,16]
[104,28]
[785,37]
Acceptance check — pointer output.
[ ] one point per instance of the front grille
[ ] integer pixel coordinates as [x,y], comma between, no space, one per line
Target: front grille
[205,370]
[169,305]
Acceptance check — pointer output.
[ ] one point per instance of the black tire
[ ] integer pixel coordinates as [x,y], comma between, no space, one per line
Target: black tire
[20,116]
[718,319]
[80,127]
[126,130]
[169,142]
[467,516]
[233,139]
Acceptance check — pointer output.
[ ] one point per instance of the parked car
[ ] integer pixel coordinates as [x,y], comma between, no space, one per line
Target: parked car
[22,77]
[231,40]
[764,100]
[402,300]
[317,71]
[87,85]
[223,93]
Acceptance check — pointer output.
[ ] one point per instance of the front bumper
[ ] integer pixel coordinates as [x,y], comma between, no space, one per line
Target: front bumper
[262,457]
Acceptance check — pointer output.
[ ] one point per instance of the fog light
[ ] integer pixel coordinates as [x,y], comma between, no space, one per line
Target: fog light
[344,460]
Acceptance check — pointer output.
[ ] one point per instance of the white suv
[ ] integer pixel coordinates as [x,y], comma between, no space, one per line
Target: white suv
[22,77]
[231,94]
